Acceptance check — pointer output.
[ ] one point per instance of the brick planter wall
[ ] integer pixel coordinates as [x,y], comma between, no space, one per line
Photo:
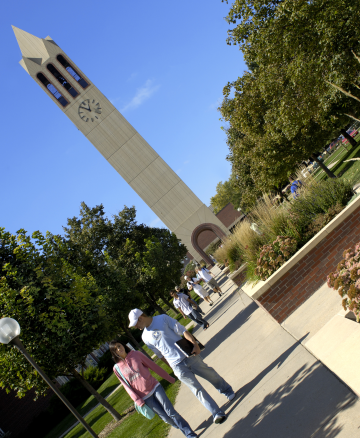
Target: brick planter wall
[289,287]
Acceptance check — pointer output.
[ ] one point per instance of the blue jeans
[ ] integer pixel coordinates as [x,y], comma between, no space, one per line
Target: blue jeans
[162,406]
[195,316]
[186,370]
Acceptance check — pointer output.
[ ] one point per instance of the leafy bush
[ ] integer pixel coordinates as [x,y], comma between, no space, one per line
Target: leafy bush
[274,255]
[346,280]
[321,220]
[95,376]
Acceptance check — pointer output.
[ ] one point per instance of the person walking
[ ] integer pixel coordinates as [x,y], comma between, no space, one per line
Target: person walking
[182,303]
[143,388]
[194,304]
[295,185]
[209,278]
[160,333]
[194,284]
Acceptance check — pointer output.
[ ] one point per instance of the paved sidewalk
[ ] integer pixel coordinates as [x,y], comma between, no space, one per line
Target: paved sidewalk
[282,391]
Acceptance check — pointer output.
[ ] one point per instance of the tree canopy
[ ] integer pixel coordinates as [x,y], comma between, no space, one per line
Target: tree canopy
[284,110]
[59,308]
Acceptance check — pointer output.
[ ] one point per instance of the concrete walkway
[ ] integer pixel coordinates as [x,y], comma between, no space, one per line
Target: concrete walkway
[282,391]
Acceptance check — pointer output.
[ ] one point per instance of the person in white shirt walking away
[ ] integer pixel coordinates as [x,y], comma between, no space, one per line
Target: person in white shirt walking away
[182,303]
[209,278]
[194,284]
[186,292]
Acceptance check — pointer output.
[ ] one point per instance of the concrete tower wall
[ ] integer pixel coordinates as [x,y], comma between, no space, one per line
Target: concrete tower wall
[121,145]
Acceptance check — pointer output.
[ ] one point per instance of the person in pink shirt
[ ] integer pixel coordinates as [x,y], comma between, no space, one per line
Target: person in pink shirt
[144,388]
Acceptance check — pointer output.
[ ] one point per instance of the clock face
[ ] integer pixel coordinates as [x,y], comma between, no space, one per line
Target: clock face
[90,110]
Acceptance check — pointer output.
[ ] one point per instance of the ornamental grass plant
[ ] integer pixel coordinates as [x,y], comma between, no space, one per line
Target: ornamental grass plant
[294,221]
[229,254]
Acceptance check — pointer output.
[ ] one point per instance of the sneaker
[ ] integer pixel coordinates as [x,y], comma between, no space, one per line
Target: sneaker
[219,418]
[231,397]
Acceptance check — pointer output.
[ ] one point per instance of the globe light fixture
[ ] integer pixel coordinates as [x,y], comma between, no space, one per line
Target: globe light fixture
[9,334]
[9,329]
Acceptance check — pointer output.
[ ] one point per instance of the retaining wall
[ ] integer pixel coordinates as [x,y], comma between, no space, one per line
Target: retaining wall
[291,285]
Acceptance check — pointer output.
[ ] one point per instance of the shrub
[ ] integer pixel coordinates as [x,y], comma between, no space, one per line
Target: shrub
[274,255]
[229,254]
[213,247]
[95,376]
[319,198]
[321,220]
[346,280]
[106,361]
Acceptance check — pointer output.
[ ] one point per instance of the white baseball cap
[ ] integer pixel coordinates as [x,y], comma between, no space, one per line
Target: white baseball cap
[134,316]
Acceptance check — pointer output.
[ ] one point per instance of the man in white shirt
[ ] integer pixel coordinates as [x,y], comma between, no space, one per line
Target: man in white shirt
[160,333]
[194,284]
[187,293]
[182,303]
[209,278]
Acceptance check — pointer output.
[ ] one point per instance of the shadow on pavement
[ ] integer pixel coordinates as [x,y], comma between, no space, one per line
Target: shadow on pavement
[303,407]
[230,328]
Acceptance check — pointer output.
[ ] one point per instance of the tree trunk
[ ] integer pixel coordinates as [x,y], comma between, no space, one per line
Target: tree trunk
[348,137]
[154,304]
[324,168]
[167,302]
[135,342]
[352,117]
[97,396]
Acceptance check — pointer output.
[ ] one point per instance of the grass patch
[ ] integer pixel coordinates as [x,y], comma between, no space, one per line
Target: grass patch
[350,168]
[106,388]
[135,426]
[340,155]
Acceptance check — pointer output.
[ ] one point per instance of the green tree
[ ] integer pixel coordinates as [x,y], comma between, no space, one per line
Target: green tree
[296,47]
[58,306]
[135,265]
[226,192]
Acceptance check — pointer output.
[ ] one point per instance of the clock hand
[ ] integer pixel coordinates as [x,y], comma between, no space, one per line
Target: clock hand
[87,109]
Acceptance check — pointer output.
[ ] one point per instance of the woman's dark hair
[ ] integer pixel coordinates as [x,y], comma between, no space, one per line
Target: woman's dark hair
[113,351]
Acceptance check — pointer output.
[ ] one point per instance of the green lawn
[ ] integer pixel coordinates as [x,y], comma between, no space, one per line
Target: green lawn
[106,388]
[135,425]
[350,168]
[339,156]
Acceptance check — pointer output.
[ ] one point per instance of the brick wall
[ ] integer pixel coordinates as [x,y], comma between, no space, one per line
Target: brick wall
[16,414]
[308,275]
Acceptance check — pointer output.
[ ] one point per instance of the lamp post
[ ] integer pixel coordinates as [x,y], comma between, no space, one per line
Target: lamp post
[9,333]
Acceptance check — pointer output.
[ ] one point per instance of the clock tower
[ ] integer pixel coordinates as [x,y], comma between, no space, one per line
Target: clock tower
[117,141]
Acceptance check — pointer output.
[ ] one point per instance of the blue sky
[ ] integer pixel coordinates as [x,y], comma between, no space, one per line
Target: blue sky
[162,64]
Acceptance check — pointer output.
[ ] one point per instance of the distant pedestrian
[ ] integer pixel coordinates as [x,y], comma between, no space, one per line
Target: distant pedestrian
[209,278]
[194,304]
[182,303]
[213,258]
[194,284]
[296,184]
[133,370]
[160,333]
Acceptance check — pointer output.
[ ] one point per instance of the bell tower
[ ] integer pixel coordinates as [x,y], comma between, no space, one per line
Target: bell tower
[117,141]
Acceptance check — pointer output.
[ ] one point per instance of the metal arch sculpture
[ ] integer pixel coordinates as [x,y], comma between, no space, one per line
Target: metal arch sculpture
[195,235]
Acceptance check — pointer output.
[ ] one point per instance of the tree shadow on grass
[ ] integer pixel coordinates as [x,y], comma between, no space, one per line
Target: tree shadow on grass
[302,407]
